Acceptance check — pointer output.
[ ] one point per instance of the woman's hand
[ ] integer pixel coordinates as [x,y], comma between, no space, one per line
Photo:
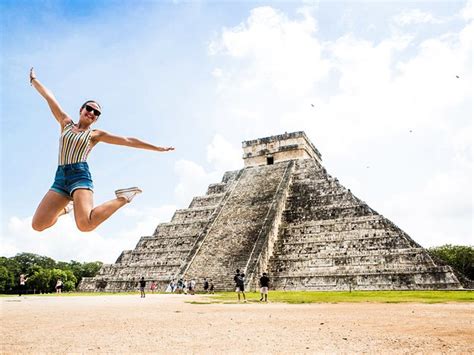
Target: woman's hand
[167,149]
[53,104]
[32,75]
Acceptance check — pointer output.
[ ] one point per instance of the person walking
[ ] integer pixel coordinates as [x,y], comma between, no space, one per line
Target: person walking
[22,284]
[73,181]
[142,287]
[264,284]
[59,286]
[185,286]
[205,286]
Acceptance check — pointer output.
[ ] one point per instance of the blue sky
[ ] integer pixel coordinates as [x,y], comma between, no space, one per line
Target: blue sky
[204,76]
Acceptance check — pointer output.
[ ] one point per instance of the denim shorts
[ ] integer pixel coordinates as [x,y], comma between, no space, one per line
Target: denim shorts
[71,177]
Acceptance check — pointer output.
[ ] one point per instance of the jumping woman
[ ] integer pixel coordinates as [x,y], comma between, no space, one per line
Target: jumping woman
[73,183]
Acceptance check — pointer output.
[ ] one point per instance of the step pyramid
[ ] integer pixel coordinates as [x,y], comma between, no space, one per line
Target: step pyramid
[285,215]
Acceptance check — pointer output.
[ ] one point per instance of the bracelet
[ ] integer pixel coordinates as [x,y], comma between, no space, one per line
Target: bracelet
[31,79]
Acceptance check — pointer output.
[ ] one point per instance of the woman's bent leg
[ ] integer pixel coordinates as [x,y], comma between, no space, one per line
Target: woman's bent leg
[50,208]
[87,217]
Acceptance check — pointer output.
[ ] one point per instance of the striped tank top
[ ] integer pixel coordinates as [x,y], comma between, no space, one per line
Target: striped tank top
[74,147]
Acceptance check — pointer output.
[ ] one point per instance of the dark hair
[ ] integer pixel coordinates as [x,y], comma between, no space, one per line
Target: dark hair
[85,103]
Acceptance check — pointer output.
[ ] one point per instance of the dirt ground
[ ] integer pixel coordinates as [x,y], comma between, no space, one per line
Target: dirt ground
[168,324]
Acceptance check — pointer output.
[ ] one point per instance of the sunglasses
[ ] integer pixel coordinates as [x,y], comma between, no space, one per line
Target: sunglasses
[91,109]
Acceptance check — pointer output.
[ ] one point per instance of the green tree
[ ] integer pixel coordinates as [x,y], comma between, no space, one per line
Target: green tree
[459,257]
[40,280]
[7,280]
[91,269]
[28,260]
[69,286]
[63,265]
[43,272]
[11,264]
[85,269]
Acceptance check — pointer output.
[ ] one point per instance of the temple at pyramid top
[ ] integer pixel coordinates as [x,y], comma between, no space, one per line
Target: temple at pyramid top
[275,149]
[285,215]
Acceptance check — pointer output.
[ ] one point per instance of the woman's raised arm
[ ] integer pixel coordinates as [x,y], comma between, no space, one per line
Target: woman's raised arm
[57,111]
[106,137]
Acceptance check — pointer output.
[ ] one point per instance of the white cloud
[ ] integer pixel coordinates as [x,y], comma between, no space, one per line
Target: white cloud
[466,12]
[147,220]
[223,155]
[274,43]
[193,179]
[217,73]
[64,242]
[439,212]
[362,89]
[415,17]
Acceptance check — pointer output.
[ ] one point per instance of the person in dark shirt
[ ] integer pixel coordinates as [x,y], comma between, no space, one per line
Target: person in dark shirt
[206,286]
[180,286]
[264,284]
[240,284]
[142,287]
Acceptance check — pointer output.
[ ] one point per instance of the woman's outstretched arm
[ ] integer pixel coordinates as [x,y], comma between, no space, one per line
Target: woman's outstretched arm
[57,111]
[106,137]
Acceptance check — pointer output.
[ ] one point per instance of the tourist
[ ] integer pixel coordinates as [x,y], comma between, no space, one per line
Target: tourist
[153,287]
[142,287]
[59,286]
[211,286]
[180,286]
[239,280]
[22,284]
[264,282]
[185,287]
[205,285]
[191,285]
[73,182]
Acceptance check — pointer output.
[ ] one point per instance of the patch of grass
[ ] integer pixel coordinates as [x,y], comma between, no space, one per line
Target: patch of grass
[299,297]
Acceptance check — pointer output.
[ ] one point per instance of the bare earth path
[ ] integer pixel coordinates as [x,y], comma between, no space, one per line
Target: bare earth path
[166,324]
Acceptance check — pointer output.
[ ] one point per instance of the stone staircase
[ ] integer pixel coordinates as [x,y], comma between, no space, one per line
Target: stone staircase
[238,235]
